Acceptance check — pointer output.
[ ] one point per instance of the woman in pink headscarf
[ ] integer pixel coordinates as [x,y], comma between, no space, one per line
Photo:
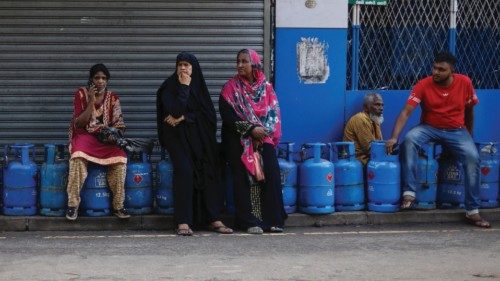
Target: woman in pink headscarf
[251,129]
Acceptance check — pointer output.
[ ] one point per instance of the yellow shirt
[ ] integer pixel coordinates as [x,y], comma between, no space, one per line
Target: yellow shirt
[361,130]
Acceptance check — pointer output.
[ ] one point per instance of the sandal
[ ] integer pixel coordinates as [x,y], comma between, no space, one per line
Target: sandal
[477,221]
[276,229]
[184,231]
[255,230]
[408,202]
[221,229]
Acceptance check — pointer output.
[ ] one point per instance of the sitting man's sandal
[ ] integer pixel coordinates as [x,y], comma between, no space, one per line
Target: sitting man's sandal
[478,221]
[408,202]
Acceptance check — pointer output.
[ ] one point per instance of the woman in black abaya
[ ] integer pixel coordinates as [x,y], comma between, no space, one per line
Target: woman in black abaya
[186,122]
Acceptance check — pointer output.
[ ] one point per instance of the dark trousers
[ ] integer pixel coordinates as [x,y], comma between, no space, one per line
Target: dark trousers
[208,198]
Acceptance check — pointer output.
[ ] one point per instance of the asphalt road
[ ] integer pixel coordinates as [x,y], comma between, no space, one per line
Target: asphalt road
[399,252]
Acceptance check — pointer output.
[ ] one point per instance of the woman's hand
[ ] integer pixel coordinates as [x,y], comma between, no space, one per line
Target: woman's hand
[259,133]
[84,118]
[173,121]
[92,94]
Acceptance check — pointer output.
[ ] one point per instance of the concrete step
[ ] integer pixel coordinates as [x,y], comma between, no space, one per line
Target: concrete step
[163,222]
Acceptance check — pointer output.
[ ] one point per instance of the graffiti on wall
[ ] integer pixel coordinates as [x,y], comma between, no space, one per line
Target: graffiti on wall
[312,61]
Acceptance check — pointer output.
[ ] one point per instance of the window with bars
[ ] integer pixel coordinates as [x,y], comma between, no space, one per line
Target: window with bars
[392,46]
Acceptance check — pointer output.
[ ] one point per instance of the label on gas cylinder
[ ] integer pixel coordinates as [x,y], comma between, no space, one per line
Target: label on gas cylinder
[284,175]
[452,173]
[485,186]
[329,192]
[329,177]
[100,180]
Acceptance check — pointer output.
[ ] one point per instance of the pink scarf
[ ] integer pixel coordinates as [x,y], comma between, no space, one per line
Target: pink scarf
[255,103]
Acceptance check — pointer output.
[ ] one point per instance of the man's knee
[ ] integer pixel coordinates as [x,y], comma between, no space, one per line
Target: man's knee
[418,136]
[413,135]
[410,140]
[471,157]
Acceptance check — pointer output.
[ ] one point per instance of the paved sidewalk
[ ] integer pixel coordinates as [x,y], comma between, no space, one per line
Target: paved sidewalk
[161,222]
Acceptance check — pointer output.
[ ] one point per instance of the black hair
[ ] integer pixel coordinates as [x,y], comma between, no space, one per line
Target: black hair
[98,67]
[445,57]
[242,51]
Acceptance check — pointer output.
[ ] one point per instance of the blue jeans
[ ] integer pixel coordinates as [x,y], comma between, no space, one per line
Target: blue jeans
[458,142]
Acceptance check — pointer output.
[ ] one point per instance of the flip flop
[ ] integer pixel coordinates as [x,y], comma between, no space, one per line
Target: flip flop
[184,232]
[479,222]
[408,202]
[276,229]
[222,229]
[255,230]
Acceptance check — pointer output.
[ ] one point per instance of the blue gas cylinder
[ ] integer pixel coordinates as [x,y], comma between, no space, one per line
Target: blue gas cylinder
[383,174]
[164,188]
[139,185]
[95,193]
[427,170]
[288,173]
[316,181]
[20,180]
[451,189]
[53,182]
[349,185]
[488,154]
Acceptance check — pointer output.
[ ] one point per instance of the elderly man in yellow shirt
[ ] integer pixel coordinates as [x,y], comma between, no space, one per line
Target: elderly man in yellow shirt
[364,127]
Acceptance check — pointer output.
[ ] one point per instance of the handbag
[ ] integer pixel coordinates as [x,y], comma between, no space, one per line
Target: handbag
[259,166]
[111,135]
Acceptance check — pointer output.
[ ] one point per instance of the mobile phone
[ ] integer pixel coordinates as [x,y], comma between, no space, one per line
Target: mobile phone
[90,84]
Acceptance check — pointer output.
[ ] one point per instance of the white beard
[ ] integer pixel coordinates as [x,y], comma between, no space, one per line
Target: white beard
[378,119]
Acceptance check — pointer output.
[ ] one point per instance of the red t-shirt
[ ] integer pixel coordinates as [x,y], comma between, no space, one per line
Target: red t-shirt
[443,107]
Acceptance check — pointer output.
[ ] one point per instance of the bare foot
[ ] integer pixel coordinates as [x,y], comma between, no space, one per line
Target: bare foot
[183,229]
[219,227]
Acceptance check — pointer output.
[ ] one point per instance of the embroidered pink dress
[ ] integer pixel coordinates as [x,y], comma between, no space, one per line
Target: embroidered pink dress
[84,142]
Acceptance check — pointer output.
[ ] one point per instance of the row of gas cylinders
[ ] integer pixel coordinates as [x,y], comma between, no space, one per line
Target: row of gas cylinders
[316,186]
[321,186]
[20,196]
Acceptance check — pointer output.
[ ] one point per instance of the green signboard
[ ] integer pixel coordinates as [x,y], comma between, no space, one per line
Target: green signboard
[369,2]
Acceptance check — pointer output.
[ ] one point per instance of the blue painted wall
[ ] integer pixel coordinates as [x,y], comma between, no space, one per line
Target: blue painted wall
[318,112]
[487,113]
[310,112]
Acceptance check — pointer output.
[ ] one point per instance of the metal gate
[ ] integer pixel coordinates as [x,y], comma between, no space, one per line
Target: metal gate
[47,47]
[392,46]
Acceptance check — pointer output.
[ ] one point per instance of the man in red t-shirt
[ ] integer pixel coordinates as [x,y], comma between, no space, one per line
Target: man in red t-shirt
[447,100]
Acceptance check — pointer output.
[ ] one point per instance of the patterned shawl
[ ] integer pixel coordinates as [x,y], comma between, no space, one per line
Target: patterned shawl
[110,111]
[255,103]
